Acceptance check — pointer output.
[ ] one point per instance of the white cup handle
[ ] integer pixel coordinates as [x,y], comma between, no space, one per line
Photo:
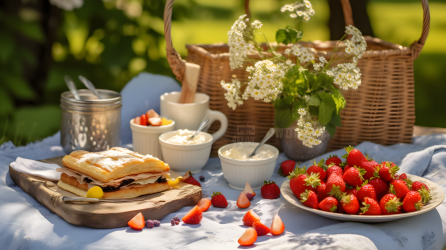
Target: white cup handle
[214,116]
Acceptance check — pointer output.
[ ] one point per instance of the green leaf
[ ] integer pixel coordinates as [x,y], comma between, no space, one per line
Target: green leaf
[288,35]
[17,85]
[283,117]
[336,119]
[326,108]
[331,129]
[314,100]
[337,97]
[6,46]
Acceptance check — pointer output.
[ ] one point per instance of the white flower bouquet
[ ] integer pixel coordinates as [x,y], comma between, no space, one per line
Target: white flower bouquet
[300,89]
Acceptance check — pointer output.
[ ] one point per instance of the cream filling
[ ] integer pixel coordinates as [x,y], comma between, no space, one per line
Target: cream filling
[143,178]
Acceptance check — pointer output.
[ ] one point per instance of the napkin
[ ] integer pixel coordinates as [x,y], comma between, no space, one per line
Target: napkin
[37,168]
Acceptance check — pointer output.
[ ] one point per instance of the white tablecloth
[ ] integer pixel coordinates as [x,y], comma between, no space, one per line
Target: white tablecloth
[26,224]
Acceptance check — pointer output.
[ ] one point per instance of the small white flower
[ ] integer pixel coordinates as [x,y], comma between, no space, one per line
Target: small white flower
[302,9]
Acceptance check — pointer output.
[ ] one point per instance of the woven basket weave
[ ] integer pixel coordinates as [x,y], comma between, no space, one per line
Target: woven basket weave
[382,110]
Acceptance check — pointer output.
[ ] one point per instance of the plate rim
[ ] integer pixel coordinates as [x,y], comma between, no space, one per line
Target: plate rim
[365,218]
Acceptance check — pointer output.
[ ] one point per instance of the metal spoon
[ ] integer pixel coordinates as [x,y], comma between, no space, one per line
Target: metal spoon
[201,127]
[72,87]
[266,138]
[90,86]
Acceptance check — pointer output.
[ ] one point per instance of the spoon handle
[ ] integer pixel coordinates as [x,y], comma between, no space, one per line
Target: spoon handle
[266,138]
[72,87]
[203,124]
[90,86]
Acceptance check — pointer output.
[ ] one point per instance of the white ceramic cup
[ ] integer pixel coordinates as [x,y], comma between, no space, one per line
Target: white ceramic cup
[190,115]
[145,138]
[183,158]
[238,172]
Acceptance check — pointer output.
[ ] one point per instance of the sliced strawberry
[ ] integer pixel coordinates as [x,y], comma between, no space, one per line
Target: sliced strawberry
[151,113]
[248,238]
[194,216]
[260,228]
[204,204]
[137,120]
[243,201]
[137,223]
[277,226]
[248,189]
[155,121]
[143,120]
[188,178]
[249,218]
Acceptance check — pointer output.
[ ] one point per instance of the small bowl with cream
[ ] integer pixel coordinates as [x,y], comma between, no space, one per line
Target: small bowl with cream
[238,168]
[184,155]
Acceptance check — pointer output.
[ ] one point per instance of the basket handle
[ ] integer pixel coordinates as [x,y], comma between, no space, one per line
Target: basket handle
[177,64]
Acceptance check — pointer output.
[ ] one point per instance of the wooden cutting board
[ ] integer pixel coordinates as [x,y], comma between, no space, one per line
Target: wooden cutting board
[105,214]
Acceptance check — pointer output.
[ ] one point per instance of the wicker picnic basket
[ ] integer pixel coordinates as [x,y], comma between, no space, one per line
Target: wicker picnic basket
[382,110]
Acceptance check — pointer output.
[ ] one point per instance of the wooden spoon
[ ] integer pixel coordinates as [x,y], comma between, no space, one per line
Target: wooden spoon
[190,83]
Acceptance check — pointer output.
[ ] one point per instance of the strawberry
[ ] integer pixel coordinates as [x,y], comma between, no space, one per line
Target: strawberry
[354,156]
[248,237]
[270,190]
[371,207]
[188,178]
[151,113]
[204,204]
[317,168]
[402,176]
[219,200]
[309,199]
[333,159]
[380,186]
[416,185]
[353,176]
[346,167]
[248,189]
[334,169]
[277,226]
[137,222]
[328,204]
[412,201]
[286,167]
[260,228]
[143,120]
[350,204]
[243,201]
[390,204]
[399,188]
[137,120]
[425,195]
[335,185]
[367,190]
[299,181]
[387,171]
[370,168]
[155,121]
[353,191]
[194,216]
[321,191]
[249,218]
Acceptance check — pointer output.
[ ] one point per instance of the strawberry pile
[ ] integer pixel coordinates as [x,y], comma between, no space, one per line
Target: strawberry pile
[357,185]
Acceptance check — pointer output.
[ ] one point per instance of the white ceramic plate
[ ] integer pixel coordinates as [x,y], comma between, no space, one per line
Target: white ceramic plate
[435,190]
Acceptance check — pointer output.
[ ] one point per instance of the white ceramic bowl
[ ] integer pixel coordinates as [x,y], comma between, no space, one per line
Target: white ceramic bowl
[238,172]
[145,138]
[183,158]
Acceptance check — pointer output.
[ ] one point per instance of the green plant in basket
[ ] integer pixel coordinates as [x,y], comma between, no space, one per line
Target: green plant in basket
[301,87]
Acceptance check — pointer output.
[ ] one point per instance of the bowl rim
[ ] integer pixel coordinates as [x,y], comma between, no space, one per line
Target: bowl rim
[150,128]
[182,146]
[251,162]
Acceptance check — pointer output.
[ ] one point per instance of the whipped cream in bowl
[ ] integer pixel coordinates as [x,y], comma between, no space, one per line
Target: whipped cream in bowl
[238,168]
[182,154]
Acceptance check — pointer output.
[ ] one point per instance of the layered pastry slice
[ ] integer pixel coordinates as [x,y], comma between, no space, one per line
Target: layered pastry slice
[121,173]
